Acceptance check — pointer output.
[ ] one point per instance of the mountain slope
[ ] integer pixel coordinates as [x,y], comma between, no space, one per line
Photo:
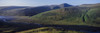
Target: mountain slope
[35,10]
[93,15]
[69,16]
[28,11]
[64,14]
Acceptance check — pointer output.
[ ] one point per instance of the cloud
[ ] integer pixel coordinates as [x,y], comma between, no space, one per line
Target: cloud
[44,2]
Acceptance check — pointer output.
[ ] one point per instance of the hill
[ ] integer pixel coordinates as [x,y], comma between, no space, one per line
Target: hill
[27,11]
[70,16]
[11,10]
[89,5]
[48,19]
[93,15]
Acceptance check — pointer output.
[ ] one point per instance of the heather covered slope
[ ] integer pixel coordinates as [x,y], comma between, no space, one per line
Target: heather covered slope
[69,16]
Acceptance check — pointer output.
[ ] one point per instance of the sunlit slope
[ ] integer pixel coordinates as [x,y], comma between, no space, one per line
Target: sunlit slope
[69,16]
[93,15]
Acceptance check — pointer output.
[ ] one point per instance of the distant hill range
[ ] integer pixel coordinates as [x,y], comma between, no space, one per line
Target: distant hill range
[89,5]
[28,11]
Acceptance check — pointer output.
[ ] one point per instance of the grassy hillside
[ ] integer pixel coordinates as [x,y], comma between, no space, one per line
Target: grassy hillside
[93,15]
[69,16]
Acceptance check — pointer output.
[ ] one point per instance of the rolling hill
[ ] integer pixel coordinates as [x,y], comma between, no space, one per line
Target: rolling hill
[51,19]
[70,16]
[89,5]
[27,11]
[11,10]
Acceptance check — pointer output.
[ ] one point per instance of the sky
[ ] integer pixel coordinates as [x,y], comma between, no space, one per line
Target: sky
[45,2]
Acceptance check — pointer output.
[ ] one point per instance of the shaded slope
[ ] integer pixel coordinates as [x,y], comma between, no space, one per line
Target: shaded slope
[11,10]
[49,30]
[28,11]
[17,27]
[35,10]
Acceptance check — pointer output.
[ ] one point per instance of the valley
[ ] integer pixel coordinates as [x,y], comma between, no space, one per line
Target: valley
[63,18]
